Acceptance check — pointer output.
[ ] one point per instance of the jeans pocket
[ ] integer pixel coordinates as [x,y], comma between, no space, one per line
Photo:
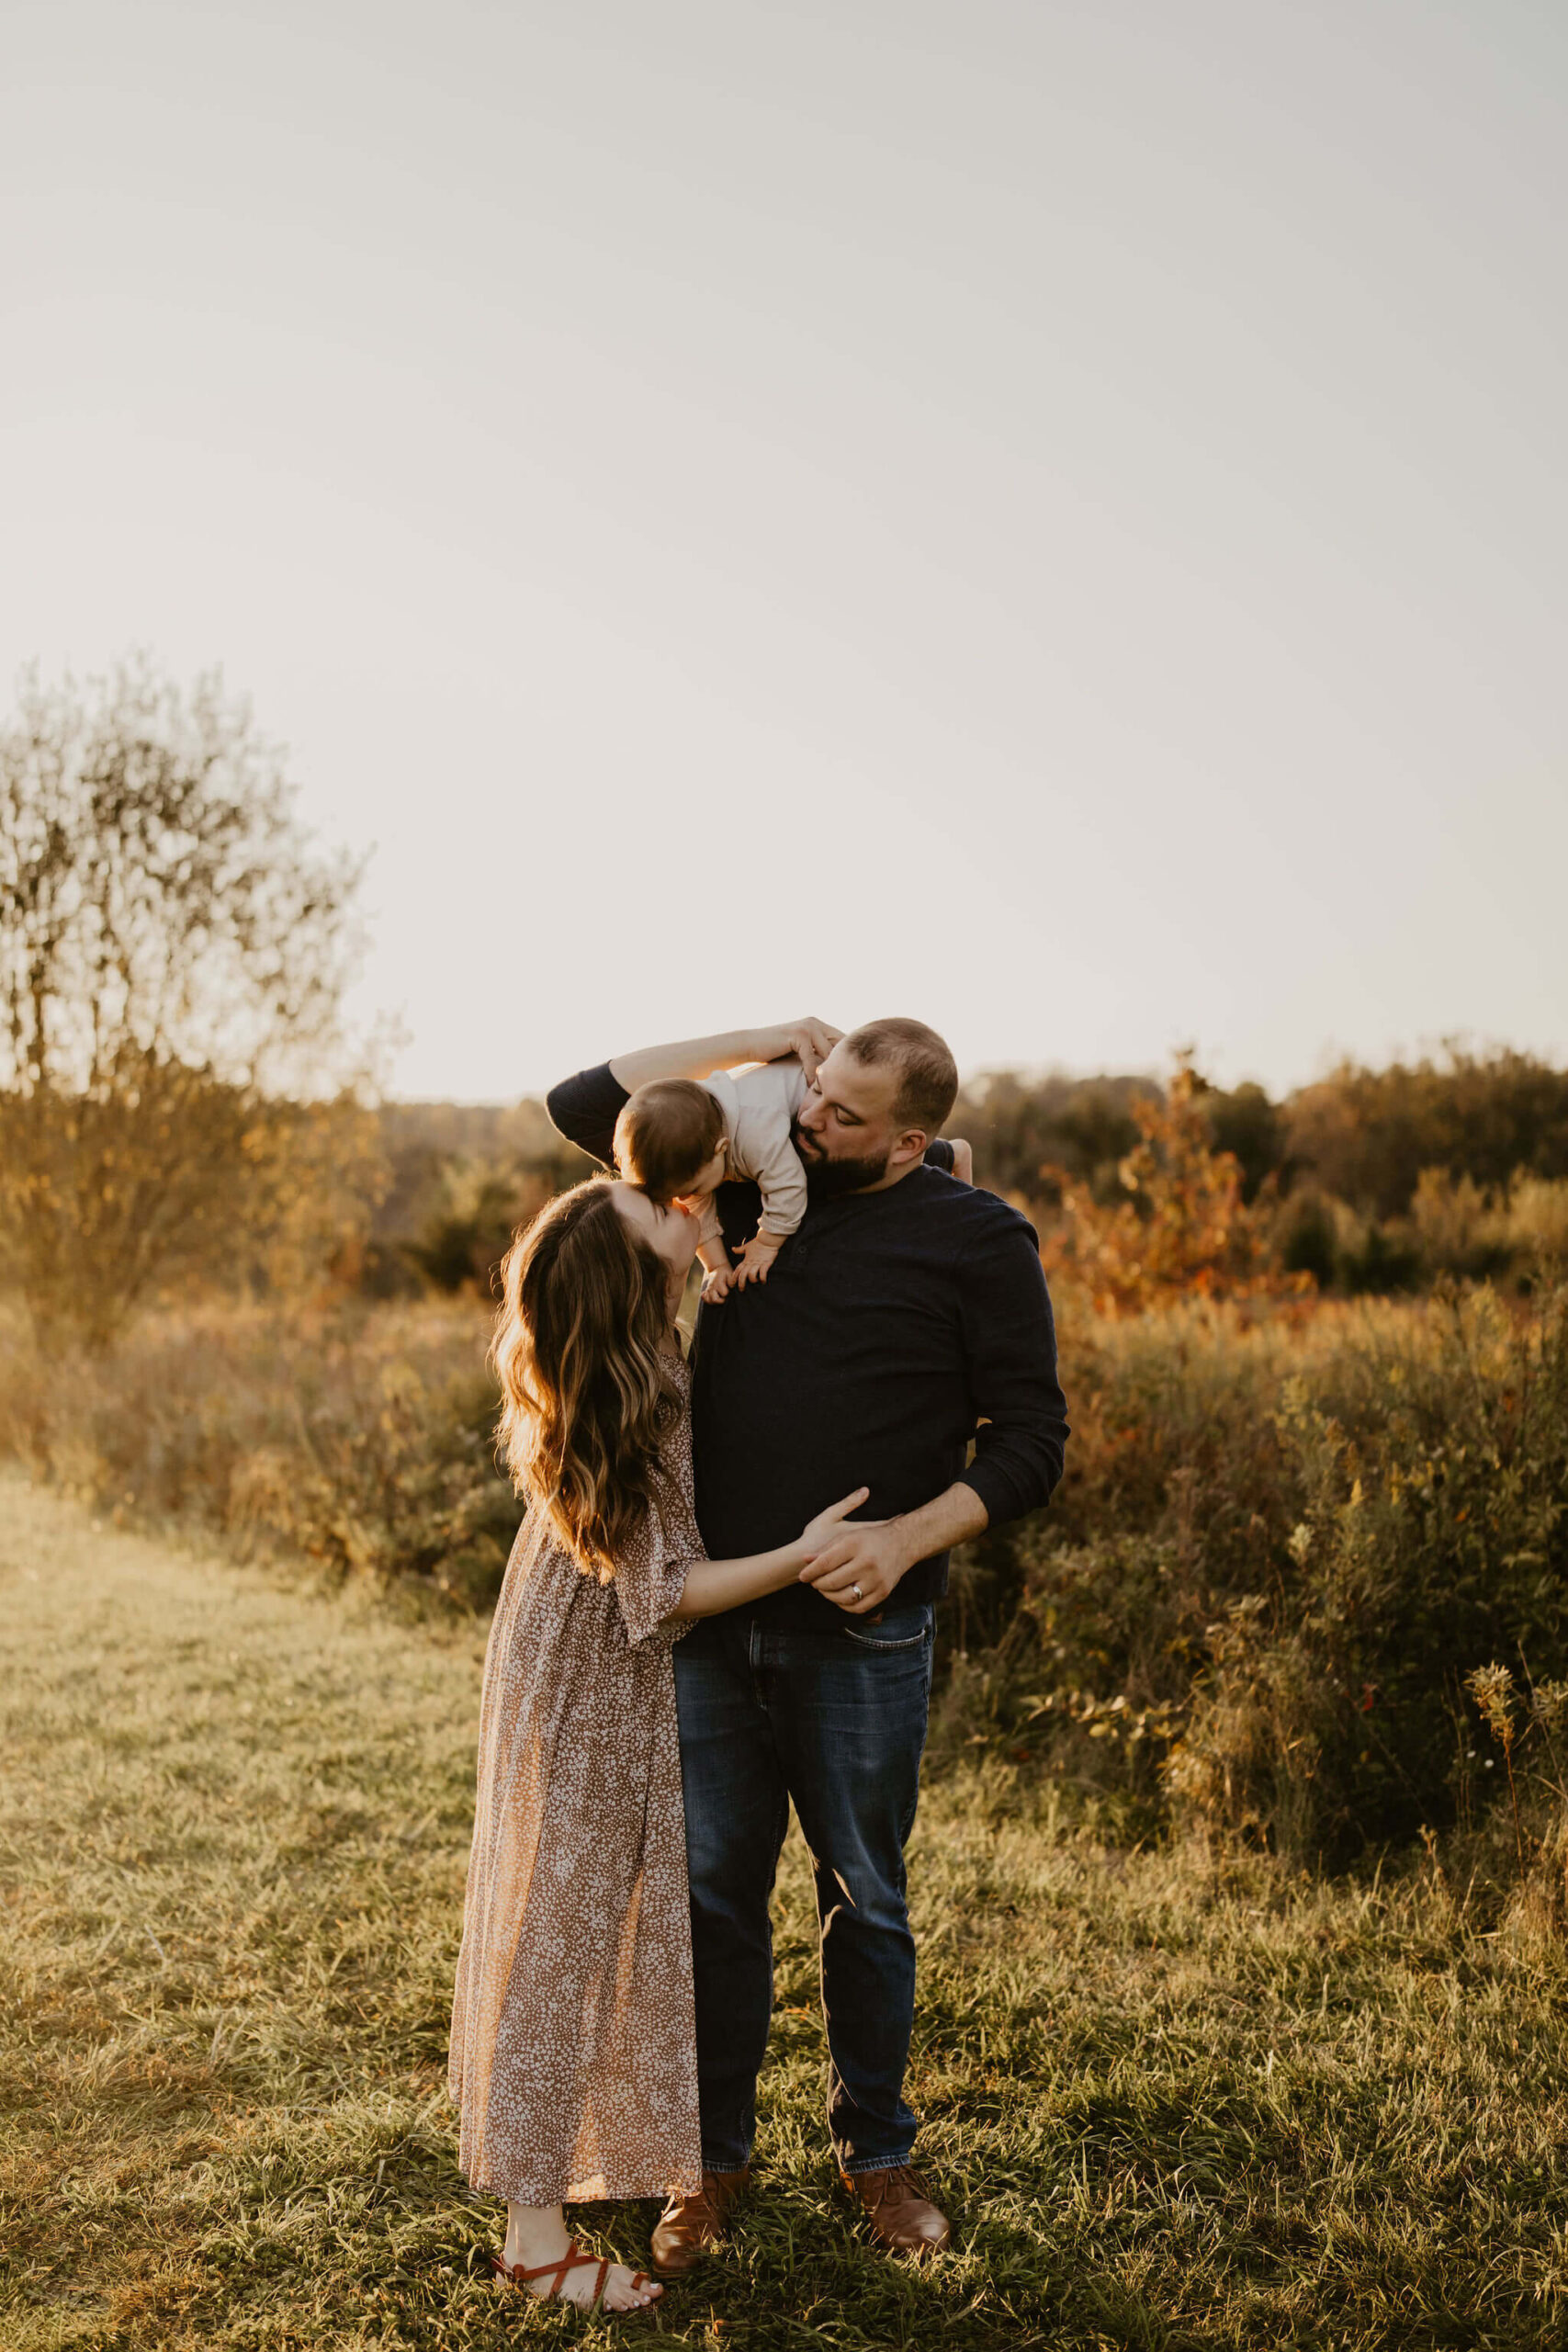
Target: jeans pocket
[901,1629]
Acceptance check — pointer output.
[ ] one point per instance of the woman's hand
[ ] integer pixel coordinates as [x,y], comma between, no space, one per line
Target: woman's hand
[811,1040]
[963,1161]
[859,1568]
[821,1530]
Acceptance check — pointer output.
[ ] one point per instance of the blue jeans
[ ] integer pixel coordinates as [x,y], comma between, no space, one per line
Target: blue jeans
[835,1719]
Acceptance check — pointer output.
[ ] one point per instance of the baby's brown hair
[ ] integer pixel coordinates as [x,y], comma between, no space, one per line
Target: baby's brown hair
[666,1131]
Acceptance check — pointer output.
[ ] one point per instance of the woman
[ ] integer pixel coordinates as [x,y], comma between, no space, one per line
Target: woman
[573,2044]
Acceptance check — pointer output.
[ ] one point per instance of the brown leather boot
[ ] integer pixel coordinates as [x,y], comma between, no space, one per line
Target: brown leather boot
[901,2213]
[690,2225]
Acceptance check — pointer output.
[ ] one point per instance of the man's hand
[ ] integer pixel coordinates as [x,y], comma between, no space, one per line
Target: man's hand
[862,1567]
[875,1553]
[811,1039]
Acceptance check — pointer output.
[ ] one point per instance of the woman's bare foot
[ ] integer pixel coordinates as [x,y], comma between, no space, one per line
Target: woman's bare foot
[578,2286]
[537,2234]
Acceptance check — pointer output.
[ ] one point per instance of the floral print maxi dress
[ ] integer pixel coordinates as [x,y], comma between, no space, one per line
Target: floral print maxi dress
[573,2058]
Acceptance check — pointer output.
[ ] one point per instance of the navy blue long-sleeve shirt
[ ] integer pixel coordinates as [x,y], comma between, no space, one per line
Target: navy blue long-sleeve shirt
[893,1328]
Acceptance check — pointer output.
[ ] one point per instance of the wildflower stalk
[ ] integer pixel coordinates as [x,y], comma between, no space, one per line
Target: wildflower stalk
[1492,1688]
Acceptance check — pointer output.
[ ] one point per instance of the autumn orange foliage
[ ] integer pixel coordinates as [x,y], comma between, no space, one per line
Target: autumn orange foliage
[1181,1231]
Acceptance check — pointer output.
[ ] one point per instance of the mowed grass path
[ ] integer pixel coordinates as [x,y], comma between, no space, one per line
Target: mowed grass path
[1169,2107]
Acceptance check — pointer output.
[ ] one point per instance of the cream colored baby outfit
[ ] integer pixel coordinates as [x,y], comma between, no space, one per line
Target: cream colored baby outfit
[760,1107]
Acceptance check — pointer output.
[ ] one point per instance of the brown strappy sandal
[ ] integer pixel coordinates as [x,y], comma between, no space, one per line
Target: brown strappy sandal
[515,2276]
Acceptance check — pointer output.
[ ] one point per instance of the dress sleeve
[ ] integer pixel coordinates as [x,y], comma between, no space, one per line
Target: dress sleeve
[650,1574]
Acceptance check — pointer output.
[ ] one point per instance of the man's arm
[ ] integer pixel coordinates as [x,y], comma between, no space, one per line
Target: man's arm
[584,1108]
[700,1056]
[877,1554]
[1009,1339]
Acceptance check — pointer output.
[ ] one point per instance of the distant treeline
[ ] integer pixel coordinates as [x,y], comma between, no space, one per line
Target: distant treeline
[1365,1136]
[1373,1179]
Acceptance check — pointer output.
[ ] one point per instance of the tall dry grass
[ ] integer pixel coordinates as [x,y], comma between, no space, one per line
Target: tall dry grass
[1283,1541]
[354,1436]
[1286,1535]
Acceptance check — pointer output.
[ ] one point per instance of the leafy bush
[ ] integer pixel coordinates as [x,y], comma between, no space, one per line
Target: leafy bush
[1280,1545]
[1455,1228]
[1433,1472]
[460,1177]
[1287,1534]
[359,1438]
[467,1232]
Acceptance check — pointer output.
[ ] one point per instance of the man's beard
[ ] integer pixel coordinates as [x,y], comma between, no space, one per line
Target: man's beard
[827,1179]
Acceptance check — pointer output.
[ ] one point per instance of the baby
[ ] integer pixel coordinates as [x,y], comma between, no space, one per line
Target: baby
[677,1138]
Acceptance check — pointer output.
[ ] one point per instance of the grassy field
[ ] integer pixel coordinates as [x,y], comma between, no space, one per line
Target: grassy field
[1172,2101]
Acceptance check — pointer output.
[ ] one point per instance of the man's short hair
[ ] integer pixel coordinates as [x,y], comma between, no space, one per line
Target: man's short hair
[928,1076]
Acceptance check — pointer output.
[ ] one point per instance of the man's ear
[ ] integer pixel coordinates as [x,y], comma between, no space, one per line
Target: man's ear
[910,1147]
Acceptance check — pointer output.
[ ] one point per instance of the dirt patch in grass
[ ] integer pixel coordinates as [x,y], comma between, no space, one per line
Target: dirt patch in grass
[1172,2102]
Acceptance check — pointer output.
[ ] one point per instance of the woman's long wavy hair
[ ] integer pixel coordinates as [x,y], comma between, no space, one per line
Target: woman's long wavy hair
[579,1353]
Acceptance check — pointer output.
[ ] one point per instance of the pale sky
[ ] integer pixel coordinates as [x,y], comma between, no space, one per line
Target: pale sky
[1047,518]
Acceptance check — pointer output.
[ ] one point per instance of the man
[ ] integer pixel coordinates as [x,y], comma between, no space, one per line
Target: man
[906,1319]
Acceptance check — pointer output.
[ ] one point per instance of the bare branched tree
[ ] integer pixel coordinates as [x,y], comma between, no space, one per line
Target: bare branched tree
[173,959]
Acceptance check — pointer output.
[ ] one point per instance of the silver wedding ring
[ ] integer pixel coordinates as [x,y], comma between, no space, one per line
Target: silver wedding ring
[858,1593]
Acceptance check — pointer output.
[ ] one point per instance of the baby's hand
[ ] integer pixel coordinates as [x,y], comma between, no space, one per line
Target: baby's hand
[757,1258]
[717,1287]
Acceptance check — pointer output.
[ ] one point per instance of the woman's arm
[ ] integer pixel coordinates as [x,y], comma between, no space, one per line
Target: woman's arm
[700,1056]
[714,1586]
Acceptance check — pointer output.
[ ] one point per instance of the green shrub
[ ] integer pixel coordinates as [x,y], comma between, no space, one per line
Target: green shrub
[1433,1536]
[1455,1228]
[1279,1547]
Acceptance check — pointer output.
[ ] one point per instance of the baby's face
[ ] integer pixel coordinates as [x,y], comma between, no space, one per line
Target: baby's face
[711,1172]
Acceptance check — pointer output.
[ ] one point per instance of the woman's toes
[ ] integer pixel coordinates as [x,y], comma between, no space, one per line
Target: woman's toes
[621,2296]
